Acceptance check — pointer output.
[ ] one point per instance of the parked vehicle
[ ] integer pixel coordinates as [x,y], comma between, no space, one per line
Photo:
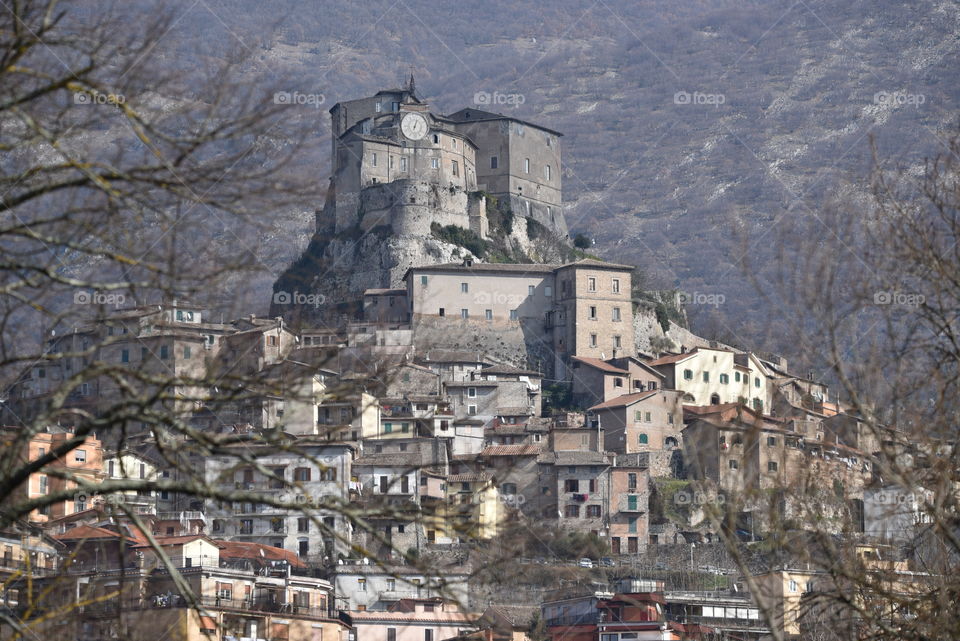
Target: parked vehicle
[607,562]
[586,563]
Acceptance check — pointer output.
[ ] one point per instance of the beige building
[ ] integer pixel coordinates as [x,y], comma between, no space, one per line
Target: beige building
[711,376]
[413,620]
[558,311]
[641,422]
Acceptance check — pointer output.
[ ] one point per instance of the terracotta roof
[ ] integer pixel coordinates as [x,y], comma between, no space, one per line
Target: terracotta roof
[590,262]
[86,532]
[384,292]
[514,411]
[511,450]
[164,541]
[417,617]
[469,477]
[624,400]
[673,358]
[603,366]
[506,370]
[498,268]
[258,551]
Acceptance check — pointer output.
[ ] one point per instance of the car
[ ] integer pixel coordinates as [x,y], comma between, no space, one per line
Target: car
[585,563]
[607,562]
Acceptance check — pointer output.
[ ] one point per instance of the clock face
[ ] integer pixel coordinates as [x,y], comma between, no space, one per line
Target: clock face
[414,126]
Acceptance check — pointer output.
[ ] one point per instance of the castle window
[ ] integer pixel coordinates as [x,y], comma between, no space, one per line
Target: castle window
[591,284]
[514,315]
[455,168]
[378,107]
[616,314]
[772,466]
[526,204]
[403,163]
[530,290]
[593,312]
[391,162]
[488,314]
[373,160]
[643,440]
[548,291]
[736,376]
[593,340]
[453,143]
[546,172]
[724,378]
[434,163]
[464,288]
[616,342]
[395,106]
[615,286]
[526,165]
[436,139]
[549,140]
[423,281]
[618,382]
[464,313]
[706,377]
[493,162]
[687,375]
[442,312]
[733,464]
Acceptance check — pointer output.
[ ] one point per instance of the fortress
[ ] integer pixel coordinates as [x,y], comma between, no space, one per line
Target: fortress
[396,164]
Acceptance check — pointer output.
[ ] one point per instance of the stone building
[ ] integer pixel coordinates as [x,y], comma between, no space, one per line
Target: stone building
[544,313]
[641,422]
[518,162]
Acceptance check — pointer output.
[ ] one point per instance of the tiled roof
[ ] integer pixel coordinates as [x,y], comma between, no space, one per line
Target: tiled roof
[479,115]
[514,411]
[506,370]
[469,477]
[257,551]
[500,268]
[579,458]
[86,532]
[416,617]
[511,450]
[600,365]
[623,400]
[163,541]
[673,358]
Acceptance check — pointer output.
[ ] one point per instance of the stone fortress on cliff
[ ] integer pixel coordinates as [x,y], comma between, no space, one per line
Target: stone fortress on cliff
[401,173]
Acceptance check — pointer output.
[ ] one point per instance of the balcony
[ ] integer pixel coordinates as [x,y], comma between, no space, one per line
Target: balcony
[113,608]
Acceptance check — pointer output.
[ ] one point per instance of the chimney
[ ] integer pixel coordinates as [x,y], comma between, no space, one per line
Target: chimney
[468,262]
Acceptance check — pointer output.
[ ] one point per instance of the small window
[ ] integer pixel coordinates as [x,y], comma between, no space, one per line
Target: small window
[301,474]
[373,160]
[724,379]
[687,375]
[771,441]
[546,172]
[593,340]
[124,357]
[403,163]
[548,291]
[530,290]
[164,353]
[464,288]
[471,410]
[706,377]
[455,167]
[436,139]
[471,392]
[736,377]
[615,286]
[616,314]
[646,417]
[442,312]
[186,351]
[80,456]
[593,312]
[591,284]
[771,466]
[423,281]
[526,165]
[488,314]
[756,382]
[434,163]
[616,342]
[734,465]
[464,313]
[514,314]
[493,162]
[618,382]
[643,439]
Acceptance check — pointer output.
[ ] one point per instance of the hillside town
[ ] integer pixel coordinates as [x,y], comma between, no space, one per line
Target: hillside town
[395,430]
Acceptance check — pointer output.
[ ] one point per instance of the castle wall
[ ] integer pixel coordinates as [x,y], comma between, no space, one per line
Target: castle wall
[409,207]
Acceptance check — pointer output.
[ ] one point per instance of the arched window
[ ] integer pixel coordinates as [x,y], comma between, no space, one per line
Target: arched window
[670,442]
[643,438]
[714,399]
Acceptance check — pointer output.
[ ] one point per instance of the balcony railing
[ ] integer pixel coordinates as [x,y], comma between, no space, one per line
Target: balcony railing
[115,607]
